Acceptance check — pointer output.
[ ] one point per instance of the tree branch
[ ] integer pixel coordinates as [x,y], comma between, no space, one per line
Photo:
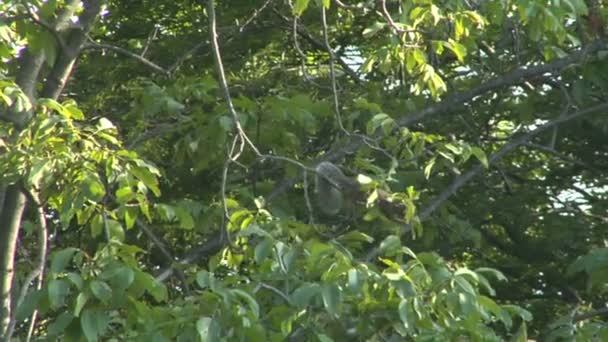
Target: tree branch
[321,46]
[590,314]
[460,181]
[510,146]
[450,103]
[125,52]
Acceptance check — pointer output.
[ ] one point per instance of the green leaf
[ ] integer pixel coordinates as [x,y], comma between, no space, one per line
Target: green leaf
[208,329]
[76,279]
[251,302]
[61,258]
[124,194]
[60,324]
[390,244]
[119,276]
[376,27]
[404,314]
[480,155]
[465,285]
[300,6]
[226,123]
[521,335]
[101,290]
[37,172]
[72,109]
[521,312]
[58,290]
[52,104]
[302,296]
[262,250]
[332,297]
[494,272]
[115,229]
[185,219]
[94,323]
[94,189]
[81,301]
[459,50]
[29,304]
[146,177]
[429,167]
[105,124]
[130,216]
[355,280]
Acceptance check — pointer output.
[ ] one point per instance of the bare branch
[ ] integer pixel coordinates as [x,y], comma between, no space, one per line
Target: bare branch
[254,15]
[332,70]
[561,155]
[590,314]
[164,251]
[396,29]
[321,46]
[151,37]
[125,52]
[214,245]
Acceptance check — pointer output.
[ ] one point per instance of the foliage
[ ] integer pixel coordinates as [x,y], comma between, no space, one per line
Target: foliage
[175,176]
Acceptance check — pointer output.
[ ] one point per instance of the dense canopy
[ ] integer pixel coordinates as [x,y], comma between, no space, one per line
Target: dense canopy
[303,170]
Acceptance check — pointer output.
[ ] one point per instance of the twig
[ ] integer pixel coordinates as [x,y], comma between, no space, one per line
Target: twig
[560,155]
[370,142]
[275,290]
[164,251]
[303,56]
[396,29]
[256,12]
[125,52]
[222,77]
[332,71]
[319,45]
[151,37]
[311,217]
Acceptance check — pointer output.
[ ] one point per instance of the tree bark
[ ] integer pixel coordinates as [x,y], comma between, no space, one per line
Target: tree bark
[10,220]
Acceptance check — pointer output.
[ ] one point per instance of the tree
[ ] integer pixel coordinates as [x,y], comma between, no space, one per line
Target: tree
[157,162]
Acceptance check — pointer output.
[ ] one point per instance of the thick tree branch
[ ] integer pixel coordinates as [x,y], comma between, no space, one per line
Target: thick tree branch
[59,74]
[452,102]
[510,146]
[10,219]
[212,246]
[514,77]
[590,314]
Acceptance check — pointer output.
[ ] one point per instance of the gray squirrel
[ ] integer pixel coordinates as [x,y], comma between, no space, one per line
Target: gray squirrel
[331,185]
[334,191]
